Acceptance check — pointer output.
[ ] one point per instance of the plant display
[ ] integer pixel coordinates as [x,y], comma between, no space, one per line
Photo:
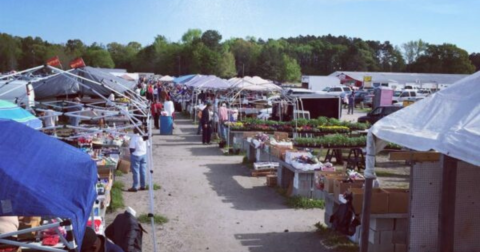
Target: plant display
[319,125]
[336,140]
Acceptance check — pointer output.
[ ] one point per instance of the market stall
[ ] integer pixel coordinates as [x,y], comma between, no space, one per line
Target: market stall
[442,183]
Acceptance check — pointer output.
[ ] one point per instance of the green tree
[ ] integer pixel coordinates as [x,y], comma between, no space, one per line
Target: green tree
[270,62]
[475,59]
[96,57]
[124,55]
[413,49]
[191,35]
[226,65]
[9,52]
[446,58]
[291,70]
[211,39]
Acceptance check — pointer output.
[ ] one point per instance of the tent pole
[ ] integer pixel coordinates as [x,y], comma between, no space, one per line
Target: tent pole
[446,213]
[367,199]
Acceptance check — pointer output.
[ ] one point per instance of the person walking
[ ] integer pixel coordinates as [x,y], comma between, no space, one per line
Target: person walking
[223,116]
[206,122]
[138,161]
[199,117]
[156,109]
[351,103]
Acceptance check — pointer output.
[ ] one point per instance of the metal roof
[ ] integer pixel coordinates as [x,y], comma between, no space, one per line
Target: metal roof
[402,78]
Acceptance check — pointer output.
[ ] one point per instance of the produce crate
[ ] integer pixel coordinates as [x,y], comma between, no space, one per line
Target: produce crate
[272,180]
[263,173]
[265,165]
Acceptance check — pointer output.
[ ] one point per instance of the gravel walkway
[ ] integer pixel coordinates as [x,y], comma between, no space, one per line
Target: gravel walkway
[213,204]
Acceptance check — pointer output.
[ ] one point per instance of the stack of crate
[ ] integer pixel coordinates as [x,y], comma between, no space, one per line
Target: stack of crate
[388,234]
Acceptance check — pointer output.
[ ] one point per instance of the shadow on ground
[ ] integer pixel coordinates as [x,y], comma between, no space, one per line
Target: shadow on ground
[231,183]
[282,242]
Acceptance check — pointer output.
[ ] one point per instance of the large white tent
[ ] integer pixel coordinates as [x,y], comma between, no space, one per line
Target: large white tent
[254,84]
[447,122]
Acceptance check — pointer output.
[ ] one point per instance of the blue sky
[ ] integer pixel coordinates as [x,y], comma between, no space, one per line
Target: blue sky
[104,21]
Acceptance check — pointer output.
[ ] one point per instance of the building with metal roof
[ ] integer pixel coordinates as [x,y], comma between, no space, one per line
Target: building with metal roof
[399,80]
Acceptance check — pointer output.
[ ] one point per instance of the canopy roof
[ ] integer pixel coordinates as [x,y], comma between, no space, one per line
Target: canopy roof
[254,84]
[167,78]
[64,84]
[10,111]
[403,78]
[184,78]
[43,183]
[448,122]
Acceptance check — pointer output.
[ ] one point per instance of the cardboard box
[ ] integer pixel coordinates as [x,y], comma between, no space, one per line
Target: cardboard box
[321,178]
[28,222]
[124,166]
[330,181]
[249,134]
[398,201]
[341,187]
[379,204]
[279,136]
[279,152]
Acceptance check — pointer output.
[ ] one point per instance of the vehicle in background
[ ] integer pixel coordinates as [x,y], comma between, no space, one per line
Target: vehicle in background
[424,93]
[336,90]
[318,83]
[18,92]
[380,112]
[405,95]
[299,91]
[360,96]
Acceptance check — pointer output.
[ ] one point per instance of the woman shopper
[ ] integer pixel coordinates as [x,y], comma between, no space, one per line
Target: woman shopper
[206,122]
[156,109]
[138,161]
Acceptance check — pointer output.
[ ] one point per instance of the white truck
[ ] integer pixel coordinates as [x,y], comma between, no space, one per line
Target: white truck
[319,83]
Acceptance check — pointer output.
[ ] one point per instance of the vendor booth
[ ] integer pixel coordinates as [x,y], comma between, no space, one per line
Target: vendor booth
[443,133]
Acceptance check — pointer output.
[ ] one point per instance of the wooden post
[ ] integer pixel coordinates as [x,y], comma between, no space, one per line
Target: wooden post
[367,198]
[446,213]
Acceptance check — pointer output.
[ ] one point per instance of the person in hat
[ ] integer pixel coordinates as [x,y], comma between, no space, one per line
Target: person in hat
[206,122]
[97,243]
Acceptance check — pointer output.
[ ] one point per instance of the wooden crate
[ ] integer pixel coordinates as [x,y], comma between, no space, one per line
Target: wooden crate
[263,173]
[272,180]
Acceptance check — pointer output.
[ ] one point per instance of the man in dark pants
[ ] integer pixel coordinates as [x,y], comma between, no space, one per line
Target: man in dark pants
[206,122]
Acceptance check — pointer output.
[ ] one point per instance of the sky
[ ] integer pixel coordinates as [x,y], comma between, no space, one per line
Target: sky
[123,21]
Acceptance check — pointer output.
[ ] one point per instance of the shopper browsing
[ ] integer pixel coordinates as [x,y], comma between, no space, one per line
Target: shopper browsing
[138,161]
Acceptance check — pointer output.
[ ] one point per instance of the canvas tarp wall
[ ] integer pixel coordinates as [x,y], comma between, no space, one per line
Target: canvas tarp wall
[42,176]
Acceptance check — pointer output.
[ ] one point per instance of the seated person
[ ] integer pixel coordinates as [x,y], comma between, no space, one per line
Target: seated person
[97,243]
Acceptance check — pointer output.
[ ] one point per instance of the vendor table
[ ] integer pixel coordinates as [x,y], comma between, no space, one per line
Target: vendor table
[302,182]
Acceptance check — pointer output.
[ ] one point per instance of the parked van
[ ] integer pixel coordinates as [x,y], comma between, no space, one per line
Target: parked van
[18,92]
[405,95]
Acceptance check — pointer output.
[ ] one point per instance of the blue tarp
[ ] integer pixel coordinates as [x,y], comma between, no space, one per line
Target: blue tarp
[42,176]
[183,79]
[10,111]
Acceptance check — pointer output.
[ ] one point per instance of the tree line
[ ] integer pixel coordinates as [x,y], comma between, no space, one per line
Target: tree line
[284,59]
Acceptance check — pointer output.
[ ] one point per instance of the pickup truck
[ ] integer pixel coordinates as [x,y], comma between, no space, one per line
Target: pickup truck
[380,112]
[406,95]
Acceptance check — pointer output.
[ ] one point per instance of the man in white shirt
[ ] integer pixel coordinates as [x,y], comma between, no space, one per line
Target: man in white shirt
[138,161]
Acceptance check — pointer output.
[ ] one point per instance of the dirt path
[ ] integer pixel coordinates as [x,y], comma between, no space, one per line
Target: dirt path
[214,205]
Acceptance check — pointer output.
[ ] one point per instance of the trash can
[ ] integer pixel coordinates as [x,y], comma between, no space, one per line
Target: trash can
[166,125]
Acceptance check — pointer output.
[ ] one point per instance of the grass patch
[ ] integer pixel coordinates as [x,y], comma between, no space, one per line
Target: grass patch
[247,162]
[157,218]
[118,173]
[299,202]
[364,110]
[281,191]
[155,186]
[390,174]
[117,197]
[335,241]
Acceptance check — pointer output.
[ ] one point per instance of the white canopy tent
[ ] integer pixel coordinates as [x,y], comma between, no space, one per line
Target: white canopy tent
[254,84]
[447,122]
[167,78]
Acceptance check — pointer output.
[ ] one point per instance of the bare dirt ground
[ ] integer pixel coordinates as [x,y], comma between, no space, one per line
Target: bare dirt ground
[213,204]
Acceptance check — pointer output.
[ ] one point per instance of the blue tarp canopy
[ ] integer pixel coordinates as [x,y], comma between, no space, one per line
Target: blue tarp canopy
[10,111]
[42,176]
[184,78]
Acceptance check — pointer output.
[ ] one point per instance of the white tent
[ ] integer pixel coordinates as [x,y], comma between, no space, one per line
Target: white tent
[447,122]
[254,84]
[167,78]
